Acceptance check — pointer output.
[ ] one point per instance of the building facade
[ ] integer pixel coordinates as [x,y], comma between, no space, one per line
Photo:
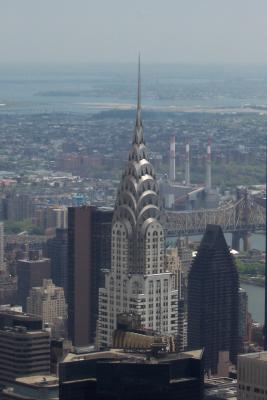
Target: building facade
[23,352]
[89,241]
[138,281]
[251,376]
[48,302]
[213,301]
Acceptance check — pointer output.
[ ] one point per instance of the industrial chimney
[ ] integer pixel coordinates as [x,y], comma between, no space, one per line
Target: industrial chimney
[208,166]
[172,159]
[187,164]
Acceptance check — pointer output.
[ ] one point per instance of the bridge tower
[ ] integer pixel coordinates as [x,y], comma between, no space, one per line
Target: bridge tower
[246,234]
[242,213]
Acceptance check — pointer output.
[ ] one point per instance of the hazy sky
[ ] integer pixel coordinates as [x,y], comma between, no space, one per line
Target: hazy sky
[114,30]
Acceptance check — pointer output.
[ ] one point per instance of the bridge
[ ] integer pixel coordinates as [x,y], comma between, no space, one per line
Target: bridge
[246,215]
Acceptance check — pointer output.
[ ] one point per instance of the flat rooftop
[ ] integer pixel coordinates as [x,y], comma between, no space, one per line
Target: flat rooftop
[121,355]
[39,380]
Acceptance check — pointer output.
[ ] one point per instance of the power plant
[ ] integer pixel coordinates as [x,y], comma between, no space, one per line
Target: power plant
[185,195]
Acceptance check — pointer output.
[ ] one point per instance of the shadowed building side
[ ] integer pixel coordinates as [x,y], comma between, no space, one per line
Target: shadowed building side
[89,241]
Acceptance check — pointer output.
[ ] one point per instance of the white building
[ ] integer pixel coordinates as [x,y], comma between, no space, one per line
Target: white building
[48,302]
[138,281]
[252,376]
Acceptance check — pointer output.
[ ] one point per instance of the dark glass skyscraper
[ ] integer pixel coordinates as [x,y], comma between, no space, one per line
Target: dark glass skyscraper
[89,251]
[213,299]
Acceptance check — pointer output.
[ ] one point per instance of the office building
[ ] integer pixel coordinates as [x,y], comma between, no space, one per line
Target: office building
[89,241]
[251,376]
[18,206]
[23,352]
[31,272]
[120,375]
[57,251]
[138,281]
[48,302]
[213,302]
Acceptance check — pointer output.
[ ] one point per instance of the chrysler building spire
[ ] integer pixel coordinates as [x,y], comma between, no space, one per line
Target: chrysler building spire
[138,134]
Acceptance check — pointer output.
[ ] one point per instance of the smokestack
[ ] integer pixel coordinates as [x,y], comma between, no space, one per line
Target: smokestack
[208,166]
[187,164]
[172,159]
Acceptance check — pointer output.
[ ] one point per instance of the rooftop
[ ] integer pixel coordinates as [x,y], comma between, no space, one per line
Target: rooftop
[39,380]
[134,357]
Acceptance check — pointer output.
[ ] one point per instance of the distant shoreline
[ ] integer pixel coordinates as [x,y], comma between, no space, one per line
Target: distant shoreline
[251,281]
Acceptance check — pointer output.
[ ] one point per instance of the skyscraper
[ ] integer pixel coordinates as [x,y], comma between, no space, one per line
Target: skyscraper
[213,301]
[138,281]
[89,241]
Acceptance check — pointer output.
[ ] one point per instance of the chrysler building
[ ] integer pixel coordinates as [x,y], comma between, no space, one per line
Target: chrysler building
[138,281]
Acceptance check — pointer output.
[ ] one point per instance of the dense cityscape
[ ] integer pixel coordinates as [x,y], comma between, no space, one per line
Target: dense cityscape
[131,284]
[133,173]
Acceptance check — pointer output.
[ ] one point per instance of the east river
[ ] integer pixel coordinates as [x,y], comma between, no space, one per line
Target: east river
[255,293]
